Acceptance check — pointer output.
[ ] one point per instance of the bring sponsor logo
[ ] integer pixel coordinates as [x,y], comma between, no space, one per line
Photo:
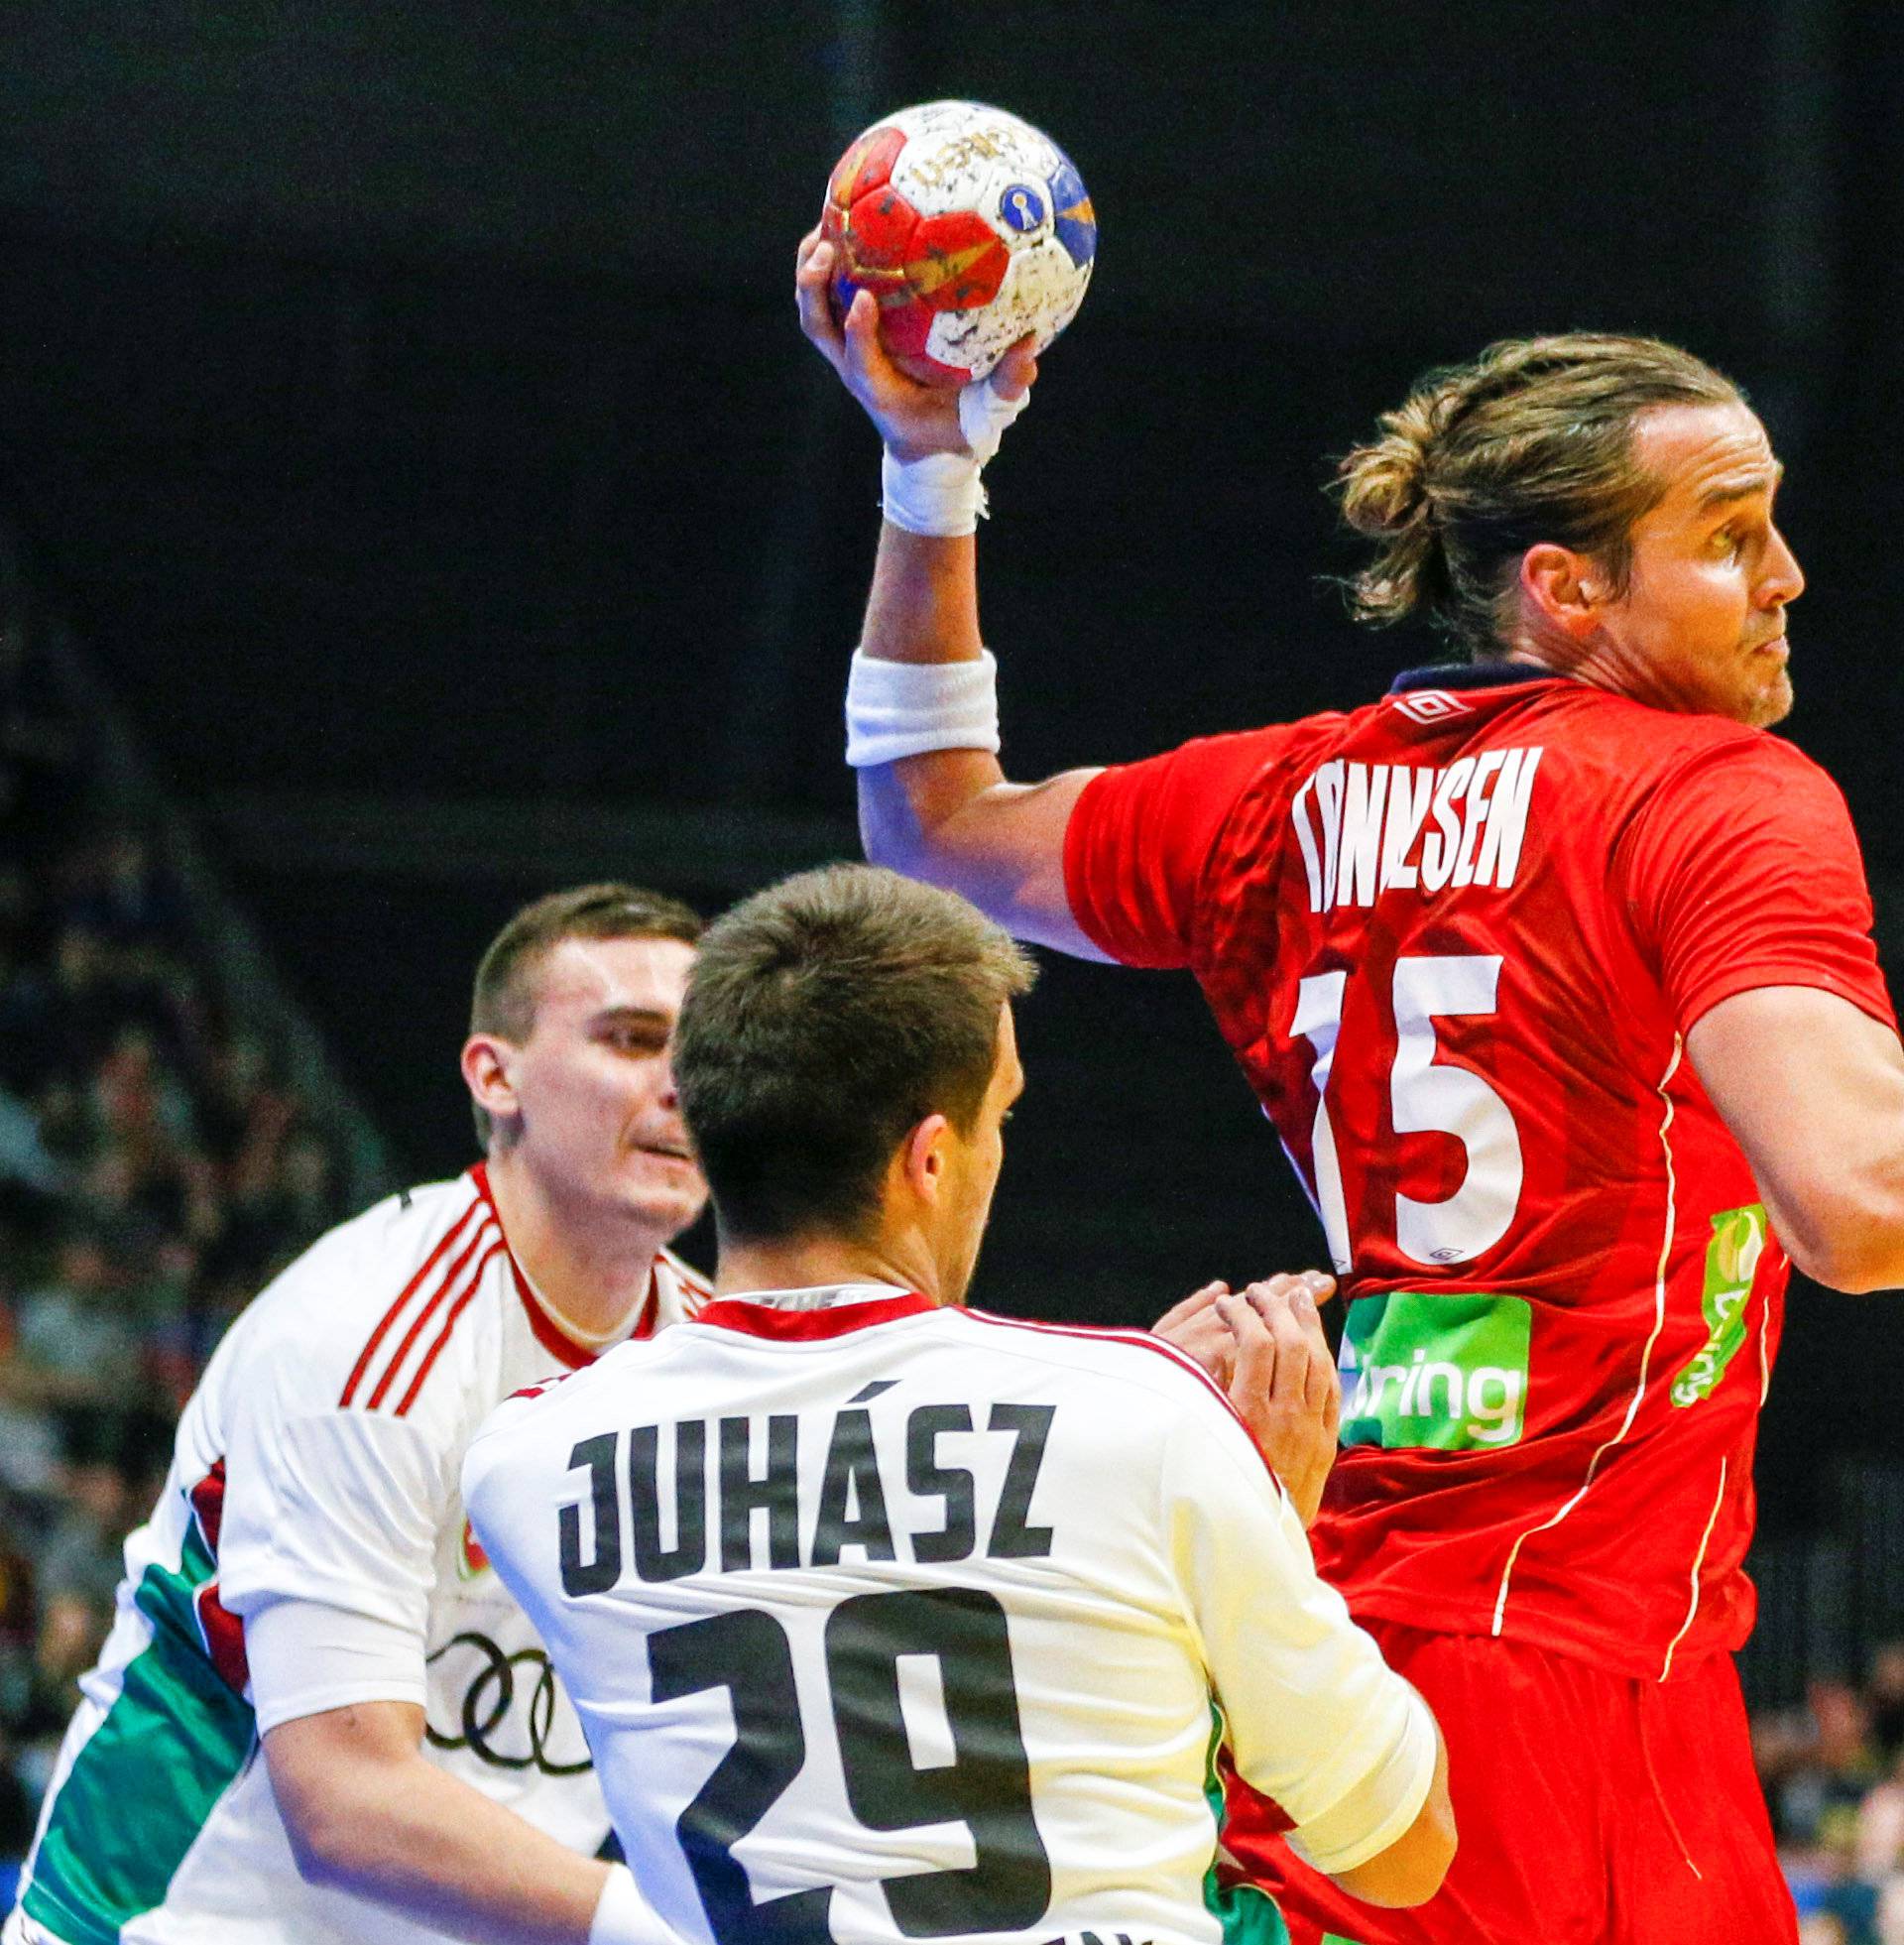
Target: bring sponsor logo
[1731,1260]
[1445,1372]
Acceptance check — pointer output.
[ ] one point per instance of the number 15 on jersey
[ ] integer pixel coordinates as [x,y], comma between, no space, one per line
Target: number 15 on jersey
[1425,1096]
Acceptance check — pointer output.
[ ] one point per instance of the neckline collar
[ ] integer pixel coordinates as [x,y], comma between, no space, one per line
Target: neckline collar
[1473,675]
[830,1310]
[546,1331]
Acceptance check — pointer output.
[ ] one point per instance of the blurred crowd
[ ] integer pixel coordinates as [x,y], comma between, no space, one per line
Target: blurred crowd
[1833,1774]
[155,1172]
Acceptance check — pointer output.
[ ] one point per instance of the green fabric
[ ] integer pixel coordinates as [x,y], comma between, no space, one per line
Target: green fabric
[1249,1916]
[1436,1370]
[143,1788]
[1731,1258]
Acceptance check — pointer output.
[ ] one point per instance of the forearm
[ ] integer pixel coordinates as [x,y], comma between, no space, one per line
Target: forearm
[924,608]
[946,813]
[401,1832]
[924,603]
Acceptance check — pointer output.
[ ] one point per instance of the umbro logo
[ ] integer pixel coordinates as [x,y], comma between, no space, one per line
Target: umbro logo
[1431,706]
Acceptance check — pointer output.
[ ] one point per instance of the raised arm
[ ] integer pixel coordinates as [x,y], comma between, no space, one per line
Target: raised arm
[949,816]
[1812,1088]
[945,814]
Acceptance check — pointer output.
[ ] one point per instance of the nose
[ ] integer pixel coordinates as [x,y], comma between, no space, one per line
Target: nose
[1783,578]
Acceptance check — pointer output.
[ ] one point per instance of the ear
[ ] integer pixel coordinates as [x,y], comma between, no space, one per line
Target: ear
[486,1074]
[922,1158]
[1562,588]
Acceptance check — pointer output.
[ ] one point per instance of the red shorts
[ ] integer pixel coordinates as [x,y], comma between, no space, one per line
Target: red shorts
[1592,1809]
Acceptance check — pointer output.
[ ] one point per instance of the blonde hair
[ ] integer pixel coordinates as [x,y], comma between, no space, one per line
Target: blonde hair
[1530,442]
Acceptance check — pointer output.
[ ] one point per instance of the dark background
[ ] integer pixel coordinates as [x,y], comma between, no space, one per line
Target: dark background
[404,398]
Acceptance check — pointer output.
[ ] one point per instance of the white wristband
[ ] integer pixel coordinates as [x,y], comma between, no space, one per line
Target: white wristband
[899,709]
[621,1917]
[942,494]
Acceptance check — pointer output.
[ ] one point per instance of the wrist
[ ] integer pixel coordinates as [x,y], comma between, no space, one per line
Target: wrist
[1306,1486]
[938,494]
[936,491]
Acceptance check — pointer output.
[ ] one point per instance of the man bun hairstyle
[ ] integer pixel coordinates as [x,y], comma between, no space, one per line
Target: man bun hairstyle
[502,999]
[825,1019]
[1531,442]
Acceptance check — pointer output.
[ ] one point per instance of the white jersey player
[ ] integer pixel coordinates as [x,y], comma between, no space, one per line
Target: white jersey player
[888,1619]
[320,1717]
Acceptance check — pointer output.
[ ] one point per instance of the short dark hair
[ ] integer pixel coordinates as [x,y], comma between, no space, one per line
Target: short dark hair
[503,1001]
[825,1019]
[1531,442]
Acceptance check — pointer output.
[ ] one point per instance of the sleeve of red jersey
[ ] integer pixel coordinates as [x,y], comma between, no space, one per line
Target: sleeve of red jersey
[1742,870]
[1141,839]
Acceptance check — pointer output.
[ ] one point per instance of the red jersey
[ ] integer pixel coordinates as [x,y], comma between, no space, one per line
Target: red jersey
[1455,941]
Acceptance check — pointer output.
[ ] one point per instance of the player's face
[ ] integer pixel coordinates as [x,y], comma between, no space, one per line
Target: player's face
[980,1158]
[598,1120]
[1701,628]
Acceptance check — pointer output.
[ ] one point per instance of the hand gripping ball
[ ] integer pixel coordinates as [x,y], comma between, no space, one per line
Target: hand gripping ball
[970,227]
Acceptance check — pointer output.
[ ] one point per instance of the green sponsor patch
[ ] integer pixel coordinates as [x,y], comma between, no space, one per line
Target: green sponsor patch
[1444,1372]
[1731,1258]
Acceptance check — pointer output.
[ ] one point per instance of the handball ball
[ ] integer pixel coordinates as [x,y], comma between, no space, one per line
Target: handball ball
[970,227]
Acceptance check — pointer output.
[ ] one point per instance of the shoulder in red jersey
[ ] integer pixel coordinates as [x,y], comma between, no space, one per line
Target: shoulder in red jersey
[1741,869]
[1141,835]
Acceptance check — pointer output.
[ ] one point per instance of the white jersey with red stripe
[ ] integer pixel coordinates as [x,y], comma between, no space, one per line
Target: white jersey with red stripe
[318,1462]
[892,1622]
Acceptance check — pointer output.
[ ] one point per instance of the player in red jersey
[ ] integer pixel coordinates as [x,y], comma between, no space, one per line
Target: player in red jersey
[1549,969]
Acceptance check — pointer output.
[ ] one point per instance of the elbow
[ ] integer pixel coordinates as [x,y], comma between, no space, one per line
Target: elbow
[1852,1240]
[1412,1871]
[331,1820]
[1436,1849]
[888,842]
[893,833]
[320,1845]
[909,809]
[1854,1272]
[904,843]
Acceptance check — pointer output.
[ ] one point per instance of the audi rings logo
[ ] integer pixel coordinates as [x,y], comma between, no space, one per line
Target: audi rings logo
[514,1713]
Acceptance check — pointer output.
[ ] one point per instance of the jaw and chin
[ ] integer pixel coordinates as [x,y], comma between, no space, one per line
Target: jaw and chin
[660,1177]
[1772,682]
